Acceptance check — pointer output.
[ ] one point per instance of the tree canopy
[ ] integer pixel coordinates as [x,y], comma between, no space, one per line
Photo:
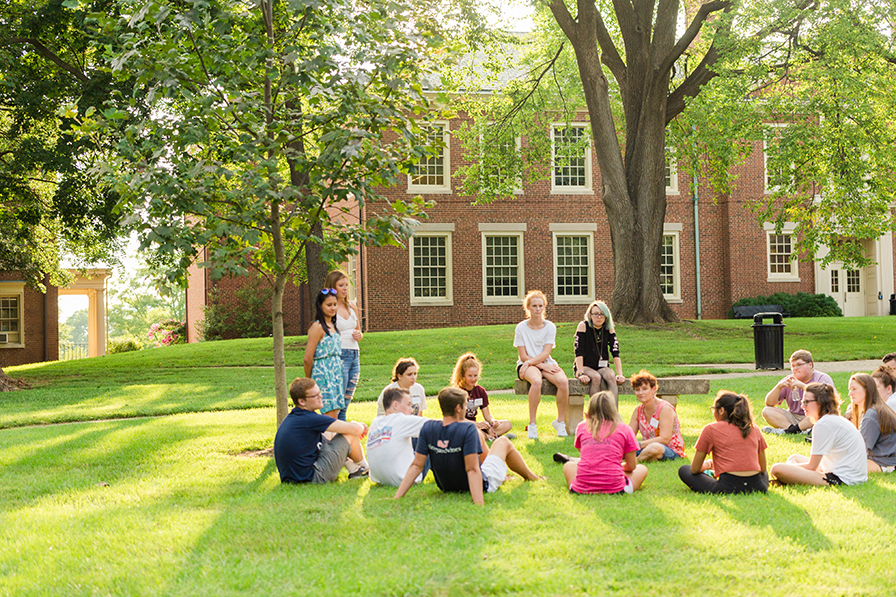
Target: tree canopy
[812,81]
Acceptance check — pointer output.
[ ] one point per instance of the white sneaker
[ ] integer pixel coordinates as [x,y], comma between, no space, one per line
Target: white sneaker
[532,428]
[772,430]
[560,428]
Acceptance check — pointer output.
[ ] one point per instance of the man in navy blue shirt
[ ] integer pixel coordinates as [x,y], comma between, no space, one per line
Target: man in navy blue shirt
[459,460]
[302,452]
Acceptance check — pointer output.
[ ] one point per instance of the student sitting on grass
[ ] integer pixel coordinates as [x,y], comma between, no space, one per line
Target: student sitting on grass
[404,376]
[790,389]
[460,461]
[389,447]
[875,421]
[301,450]
[604,441]
[657,422]
[838,450]
[737,447]
[885,380]
[466,373]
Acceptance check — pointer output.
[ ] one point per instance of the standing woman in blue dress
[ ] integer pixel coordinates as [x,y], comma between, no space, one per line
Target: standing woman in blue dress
[348,323]
[323,353]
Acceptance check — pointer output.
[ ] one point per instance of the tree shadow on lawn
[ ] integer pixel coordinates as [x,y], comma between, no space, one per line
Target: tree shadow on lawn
[778,514]
[877,495]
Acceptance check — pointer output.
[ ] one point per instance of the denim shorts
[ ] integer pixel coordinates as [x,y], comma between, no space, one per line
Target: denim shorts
[668,453]
[351,370]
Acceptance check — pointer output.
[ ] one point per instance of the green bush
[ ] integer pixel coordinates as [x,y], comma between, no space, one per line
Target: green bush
[801,304]
[248,317]
[124,345]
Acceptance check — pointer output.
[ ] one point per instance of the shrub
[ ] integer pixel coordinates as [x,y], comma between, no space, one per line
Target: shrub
[122,345]
[247,316]
[801,304]
[168,332]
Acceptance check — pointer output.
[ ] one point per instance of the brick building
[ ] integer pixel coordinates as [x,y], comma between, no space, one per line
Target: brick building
[472,264]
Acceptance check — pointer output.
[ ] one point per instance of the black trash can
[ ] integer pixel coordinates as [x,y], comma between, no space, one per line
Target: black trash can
[768,341]
[893,304]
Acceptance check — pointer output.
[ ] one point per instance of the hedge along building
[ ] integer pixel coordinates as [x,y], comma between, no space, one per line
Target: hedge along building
[472,264]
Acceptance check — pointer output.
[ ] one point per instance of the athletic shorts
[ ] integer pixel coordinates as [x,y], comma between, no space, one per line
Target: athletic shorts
[331,459]
[494,471]
[794,419]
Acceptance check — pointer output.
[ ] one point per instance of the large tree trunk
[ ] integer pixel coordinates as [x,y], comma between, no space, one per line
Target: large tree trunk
[633,189]
[8,384]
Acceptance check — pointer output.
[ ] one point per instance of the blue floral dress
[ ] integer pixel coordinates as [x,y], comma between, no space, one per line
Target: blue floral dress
[327,372]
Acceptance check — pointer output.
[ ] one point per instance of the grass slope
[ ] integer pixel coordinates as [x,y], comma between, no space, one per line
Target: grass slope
[238,374]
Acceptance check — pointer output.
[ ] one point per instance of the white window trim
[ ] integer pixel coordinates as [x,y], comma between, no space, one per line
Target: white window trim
[672,189]
[510,229]
[446,230]
[15,289]
[589,183]
[794,275]
[674,230]
[574,230]
[769,190]
[443,188]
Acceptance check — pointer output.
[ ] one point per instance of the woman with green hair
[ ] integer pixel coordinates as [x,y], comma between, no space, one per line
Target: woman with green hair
[595,342]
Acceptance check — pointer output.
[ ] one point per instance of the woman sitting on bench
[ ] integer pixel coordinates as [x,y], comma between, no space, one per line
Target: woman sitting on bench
[595,341]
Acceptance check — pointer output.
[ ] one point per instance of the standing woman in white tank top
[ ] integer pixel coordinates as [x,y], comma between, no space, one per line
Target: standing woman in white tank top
[348,323]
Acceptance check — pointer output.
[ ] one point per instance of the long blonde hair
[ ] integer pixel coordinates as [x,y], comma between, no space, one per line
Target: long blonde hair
[602,409]
[885,415]
[464,362]
[332,278]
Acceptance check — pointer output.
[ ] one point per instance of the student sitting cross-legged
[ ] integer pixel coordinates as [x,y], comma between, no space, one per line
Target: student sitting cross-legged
[460,462]
[389,447]
[301,450]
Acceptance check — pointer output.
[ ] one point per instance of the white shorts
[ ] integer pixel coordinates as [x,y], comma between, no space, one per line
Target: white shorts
[494,470]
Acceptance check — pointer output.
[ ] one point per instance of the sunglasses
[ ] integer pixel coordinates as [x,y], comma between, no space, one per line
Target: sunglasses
[328,291]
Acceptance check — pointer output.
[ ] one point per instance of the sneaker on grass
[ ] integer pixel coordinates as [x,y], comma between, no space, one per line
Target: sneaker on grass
[772,430]
[362,471]
[560,428]
[532,428]
[561,458]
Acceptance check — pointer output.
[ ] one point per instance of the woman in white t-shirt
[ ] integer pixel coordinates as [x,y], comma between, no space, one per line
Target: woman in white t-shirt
[404,376]
[838,450]
[534,339]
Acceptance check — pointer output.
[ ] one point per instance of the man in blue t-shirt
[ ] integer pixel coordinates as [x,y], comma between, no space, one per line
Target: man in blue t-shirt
[303,453]
[459,460]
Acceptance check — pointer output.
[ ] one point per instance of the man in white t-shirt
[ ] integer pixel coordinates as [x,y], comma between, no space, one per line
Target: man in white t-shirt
[389,448]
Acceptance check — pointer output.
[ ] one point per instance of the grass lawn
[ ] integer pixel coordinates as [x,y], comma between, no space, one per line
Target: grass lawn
[165,506]
[238,374]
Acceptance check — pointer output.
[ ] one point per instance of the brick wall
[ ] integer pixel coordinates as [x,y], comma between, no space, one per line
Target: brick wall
[41,327]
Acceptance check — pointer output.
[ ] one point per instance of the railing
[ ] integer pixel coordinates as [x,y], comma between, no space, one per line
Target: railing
[69,351]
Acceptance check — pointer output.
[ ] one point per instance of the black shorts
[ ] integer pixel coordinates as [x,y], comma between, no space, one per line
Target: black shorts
[518,367]
[833,479]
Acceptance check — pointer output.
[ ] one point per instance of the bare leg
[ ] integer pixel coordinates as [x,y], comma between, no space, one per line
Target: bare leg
[637,476]
[569,471]
[533,376]
[559,379]
[357,453]
[776,417]
[503,449]
[651,452]
[791,474]
[609,377]
[873,467]
[484,445]
[502,427]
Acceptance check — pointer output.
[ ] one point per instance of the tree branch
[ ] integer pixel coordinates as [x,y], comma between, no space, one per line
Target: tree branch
[691,33]
[47,53]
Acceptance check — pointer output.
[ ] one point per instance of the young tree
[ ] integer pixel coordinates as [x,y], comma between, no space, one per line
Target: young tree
[710,75]
[271,121]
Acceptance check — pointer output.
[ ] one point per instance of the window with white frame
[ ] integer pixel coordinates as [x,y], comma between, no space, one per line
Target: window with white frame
[671,172]
[12,309]
[573,263]
[670,263]
[431,269]
[853,280]
[570,159]
[432,174]
[502,263]
[782,263]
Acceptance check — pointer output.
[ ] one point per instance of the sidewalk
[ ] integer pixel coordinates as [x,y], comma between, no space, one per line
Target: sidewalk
[750,369]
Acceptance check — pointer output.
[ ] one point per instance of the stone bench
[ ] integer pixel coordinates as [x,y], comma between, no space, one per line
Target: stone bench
[667,389]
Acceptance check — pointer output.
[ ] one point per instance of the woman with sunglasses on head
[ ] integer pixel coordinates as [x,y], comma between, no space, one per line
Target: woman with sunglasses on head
[323,353]
[737,448]
[838,450]
[595,342]
[875,421]
[348,322]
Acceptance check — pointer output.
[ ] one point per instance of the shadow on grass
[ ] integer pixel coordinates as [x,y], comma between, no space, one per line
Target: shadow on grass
[779,515]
